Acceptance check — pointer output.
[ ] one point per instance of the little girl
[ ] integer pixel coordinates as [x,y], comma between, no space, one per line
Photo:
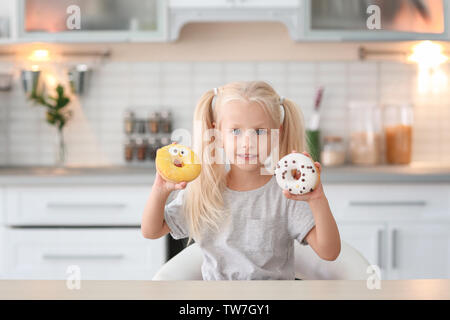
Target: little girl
[242,220]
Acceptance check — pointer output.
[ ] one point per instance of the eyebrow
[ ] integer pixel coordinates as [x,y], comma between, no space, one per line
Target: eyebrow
[259,125]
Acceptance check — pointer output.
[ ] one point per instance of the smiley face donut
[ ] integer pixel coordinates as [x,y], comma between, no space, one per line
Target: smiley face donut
[297,173]
[176,163]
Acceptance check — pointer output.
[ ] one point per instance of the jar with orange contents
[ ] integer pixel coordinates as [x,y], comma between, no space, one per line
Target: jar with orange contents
[398,120]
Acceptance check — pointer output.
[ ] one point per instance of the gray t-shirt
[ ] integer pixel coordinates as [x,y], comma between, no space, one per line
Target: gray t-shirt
[256,241]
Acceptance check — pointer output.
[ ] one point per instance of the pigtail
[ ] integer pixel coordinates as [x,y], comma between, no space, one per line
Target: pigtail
[204,202]
[293,135]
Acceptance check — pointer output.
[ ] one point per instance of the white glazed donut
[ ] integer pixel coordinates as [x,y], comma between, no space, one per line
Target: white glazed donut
[297,165]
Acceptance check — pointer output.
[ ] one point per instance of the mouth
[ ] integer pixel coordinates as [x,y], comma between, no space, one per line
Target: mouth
[178,163]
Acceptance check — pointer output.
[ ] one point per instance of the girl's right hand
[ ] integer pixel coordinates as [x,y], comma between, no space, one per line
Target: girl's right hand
[167,186]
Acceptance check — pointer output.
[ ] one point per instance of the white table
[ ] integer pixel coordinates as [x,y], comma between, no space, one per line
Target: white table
[225,290]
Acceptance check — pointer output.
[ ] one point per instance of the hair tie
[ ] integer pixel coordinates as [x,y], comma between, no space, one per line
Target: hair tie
[282,109]
[214,98]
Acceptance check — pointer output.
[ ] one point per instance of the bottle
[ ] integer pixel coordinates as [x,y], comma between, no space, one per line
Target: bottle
[141,145]
[153,146]
[166,122]
[141,126]
[164,141]
[129,149]
[333,152]
[153,122]
[129,122]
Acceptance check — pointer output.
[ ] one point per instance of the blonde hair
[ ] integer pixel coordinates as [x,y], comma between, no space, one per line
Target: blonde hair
[203,205]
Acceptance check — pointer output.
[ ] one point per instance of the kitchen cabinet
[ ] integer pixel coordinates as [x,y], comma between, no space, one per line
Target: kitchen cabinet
[94,254]
[183,12]
[79,205]
[91,20]
[404,229]
[368,239]
[48,228]
[349,20]
[419,251]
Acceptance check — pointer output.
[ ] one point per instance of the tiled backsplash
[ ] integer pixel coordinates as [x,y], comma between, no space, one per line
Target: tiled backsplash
[95,134]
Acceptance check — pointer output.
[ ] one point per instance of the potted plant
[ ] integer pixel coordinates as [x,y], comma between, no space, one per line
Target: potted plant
[56,115]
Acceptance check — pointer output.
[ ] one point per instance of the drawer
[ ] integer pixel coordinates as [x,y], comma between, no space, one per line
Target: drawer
[388,201]
[75,205]
[97,254]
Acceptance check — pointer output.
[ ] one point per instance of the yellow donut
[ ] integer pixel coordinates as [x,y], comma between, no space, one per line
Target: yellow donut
[176,163]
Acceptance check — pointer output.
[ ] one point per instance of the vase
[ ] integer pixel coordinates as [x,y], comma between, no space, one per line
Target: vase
[60,150]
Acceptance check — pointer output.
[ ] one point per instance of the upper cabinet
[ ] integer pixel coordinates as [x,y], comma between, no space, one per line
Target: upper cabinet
[91,20]
[162,20]
[232,3]
[182,12]
[380,20]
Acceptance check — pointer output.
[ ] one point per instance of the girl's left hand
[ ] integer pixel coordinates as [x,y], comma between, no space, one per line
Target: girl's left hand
[317,193]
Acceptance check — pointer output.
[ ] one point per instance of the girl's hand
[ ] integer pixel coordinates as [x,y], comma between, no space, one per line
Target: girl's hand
[167,186]
[317,193]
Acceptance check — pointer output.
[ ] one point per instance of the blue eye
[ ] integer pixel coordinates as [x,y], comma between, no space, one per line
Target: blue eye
[235,131]
[261,131]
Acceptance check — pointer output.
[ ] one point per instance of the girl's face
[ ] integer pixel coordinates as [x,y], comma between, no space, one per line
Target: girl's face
[245,131]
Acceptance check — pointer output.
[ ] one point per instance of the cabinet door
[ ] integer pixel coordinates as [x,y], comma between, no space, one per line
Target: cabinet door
[92,20]
[354,20]
[419,251]
[368,239]
[97,253]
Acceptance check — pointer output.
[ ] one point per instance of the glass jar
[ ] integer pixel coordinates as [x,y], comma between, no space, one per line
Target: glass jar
[166,122]
[141,126]
[365,133]
[153,122]
[398,119]
[129,122]
[333,152]
[164,141]
[129,149]
[141,146]
[153,146]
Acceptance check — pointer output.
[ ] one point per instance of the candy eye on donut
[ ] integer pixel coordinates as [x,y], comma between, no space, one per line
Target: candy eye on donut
[173,151]
[183,152]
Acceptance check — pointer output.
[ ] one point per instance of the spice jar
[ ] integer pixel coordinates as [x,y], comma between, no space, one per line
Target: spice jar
[365,133]
[164,141]
[153,122]
[141,146]
[166,122]
[129,122]
[153,146]
[129,149]
[398,120]
[333,152]
[141,126]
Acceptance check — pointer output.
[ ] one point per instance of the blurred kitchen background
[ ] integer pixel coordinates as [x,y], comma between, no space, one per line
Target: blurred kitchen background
[376,104]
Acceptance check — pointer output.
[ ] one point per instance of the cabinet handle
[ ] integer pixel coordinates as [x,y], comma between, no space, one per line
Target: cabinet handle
[394,248]
[387,203]
[60,205]
[380,248]
[55,256]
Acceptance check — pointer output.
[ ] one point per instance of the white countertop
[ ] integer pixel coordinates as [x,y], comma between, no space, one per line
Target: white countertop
[37,175]
[226,290]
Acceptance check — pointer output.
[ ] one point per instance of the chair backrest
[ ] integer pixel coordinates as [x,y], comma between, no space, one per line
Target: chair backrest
[350,265]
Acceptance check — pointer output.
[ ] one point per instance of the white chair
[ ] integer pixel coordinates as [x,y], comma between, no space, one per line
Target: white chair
[350,265]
